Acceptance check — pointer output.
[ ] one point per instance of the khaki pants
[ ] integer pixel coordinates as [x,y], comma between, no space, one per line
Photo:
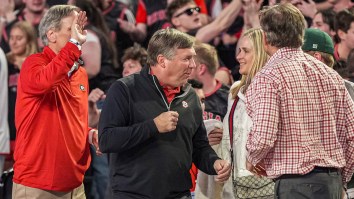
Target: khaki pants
[24,192]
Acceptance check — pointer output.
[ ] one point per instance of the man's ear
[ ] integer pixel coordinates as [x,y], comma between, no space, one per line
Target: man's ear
[342,35]
[175,22]
[52,37]
[161,60]
[202,69]
[318,56]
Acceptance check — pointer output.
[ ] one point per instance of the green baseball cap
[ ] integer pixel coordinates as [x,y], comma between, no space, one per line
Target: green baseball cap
[317,40]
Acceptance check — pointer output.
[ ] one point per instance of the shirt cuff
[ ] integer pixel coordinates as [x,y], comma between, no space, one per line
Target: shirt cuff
[252,161]
[76,43]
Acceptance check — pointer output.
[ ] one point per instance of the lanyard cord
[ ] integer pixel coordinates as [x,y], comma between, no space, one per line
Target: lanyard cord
[231,127]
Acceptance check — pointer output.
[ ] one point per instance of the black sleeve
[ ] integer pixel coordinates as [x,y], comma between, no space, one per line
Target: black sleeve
[116,133]
[203,155]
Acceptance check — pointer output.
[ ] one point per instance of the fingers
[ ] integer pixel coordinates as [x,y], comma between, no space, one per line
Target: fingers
[96,93]
[220,165]
[77,29]
[249,166]
[81,19]
[223,176]
[174,119]
[214,141]
[166,121]
[223,169]
[215,137]
[245,2]
[95,139]
[216,132]
[98,152]
[173,113]
[95,143]
[259,170]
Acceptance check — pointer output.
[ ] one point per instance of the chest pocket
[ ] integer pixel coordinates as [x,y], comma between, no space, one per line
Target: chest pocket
[78,83]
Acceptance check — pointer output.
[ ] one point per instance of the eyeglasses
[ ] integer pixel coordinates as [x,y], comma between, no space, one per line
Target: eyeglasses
[189,11]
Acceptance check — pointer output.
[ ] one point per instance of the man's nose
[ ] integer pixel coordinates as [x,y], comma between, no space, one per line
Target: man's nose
[192,64]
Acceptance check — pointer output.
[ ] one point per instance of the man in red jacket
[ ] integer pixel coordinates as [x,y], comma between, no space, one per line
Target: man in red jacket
[52,148]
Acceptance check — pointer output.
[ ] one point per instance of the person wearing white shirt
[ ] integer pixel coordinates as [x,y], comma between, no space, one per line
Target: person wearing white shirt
[4,126]
[252,57]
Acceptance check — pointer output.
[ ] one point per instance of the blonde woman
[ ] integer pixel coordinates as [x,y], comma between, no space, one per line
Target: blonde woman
[252,57]
[22,42]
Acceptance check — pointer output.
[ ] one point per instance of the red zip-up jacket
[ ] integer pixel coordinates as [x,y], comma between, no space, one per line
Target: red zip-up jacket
[52,149]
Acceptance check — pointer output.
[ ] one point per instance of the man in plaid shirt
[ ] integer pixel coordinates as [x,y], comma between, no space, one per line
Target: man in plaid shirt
[303,117]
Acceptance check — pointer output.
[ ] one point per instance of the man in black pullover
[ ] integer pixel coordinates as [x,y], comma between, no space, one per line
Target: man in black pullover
[152,125]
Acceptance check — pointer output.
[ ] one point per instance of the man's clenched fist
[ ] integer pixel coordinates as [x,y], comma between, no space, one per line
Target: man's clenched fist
[166,121]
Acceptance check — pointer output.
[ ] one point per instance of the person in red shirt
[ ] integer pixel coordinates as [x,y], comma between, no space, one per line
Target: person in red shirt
[52,150]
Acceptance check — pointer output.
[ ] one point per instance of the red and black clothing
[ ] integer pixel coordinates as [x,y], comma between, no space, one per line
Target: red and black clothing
[216,102]
[52,149]
[144,162]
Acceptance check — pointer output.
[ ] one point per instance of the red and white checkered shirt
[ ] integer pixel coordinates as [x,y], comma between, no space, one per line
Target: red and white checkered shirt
[302,116]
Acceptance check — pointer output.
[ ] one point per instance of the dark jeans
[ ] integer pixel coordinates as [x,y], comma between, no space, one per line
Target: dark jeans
[100,174]
[314,185]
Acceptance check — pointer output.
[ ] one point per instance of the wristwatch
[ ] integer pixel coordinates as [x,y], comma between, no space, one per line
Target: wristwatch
[75,42]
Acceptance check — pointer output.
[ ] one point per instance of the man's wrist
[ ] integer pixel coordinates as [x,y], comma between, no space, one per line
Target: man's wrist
[75,42]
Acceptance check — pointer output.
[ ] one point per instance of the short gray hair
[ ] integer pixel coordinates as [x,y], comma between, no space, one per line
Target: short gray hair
[165,42]
[52,19]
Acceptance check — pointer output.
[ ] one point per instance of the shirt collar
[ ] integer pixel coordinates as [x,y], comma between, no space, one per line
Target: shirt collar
[165,87]
[286,52]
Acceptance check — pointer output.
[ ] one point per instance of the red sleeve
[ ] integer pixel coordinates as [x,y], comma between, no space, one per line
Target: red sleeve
[141,16]
[202,5]
[194,173]
[38,76]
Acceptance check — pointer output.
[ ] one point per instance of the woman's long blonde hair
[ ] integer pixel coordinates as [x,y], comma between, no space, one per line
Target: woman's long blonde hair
[259,59]
[30,34]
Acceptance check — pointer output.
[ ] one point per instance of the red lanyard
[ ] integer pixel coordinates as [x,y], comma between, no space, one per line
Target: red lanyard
[231,127]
